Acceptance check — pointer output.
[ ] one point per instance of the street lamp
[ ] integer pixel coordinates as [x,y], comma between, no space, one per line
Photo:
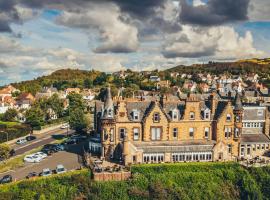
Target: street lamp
[6,134]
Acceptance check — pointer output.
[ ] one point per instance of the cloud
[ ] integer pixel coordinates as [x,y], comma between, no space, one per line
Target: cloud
[216,42]
[215,12]
[259,10]
[115,35]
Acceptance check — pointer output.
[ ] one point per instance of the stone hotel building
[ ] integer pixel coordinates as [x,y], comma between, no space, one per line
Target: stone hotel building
[174,130]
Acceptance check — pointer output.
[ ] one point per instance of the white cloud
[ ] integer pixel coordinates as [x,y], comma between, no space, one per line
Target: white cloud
[115,34]
[217,43]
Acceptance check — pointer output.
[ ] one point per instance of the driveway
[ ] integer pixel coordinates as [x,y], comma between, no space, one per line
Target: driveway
[40,141]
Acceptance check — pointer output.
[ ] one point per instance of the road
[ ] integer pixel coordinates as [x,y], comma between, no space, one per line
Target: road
[41,140]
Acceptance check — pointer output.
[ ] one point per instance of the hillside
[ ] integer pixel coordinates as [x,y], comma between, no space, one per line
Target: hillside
[157,181]
[65,78]
[234,68]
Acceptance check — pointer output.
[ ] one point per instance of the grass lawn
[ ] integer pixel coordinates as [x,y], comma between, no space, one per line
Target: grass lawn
[10,124]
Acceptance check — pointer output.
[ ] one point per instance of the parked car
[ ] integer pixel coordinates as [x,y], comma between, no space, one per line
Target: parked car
[71,141]
[64,126]
[60,147]
[41,154]
[30,137]
[21,141]
[60,169]
[32,159]
[46,172]
[6,179]
[49,149]
[31,175]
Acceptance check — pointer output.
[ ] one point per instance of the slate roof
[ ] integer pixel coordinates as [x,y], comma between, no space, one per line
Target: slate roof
[254,138]
[220,108]
[141,106]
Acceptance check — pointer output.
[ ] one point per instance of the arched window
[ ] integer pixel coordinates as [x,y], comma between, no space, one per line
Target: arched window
[191,115]
[156,117]
[207,114]
[174,115]
[228,117]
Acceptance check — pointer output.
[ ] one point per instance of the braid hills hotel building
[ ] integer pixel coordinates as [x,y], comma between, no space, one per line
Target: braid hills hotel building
[170,129]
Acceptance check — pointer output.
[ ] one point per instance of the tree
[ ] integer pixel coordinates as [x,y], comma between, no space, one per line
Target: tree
[88,83]
[77,119]
[10,115]
[57,104]
[35,117]
[4,151]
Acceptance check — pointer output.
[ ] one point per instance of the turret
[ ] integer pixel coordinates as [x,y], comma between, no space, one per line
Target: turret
[238,113]
[108,112]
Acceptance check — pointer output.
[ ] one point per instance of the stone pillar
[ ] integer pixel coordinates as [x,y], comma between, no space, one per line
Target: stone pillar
[126,153]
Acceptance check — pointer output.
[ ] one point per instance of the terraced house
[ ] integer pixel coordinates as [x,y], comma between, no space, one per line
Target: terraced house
[169,129]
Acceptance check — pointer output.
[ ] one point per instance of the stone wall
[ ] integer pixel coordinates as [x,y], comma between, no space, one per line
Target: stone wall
[111,176]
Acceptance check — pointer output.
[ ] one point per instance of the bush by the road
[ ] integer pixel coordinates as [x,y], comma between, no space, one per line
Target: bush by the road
[13,131]
[162,181]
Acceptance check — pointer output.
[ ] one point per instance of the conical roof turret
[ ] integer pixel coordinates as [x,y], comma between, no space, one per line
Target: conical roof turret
[238,102]
[108,105]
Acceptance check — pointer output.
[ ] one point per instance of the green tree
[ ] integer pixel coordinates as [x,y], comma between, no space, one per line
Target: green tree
[4,151]
[88,83]
[77,119]
[56,104]
[35,116]
[10,115]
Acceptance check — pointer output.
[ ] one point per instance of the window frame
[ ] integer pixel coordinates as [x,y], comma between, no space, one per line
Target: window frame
[156,120]
[191,130]
[120,134]
[156,137]
[175,132]
[133,130]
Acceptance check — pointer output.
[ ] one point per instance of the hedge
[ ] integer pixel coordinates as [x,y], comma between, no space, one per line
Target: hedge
[14,132]
[161,181]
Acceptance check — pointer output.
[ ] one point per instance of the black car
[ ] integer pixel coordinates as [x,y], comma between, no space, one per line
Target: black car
[31,175]
[6,179]
[30,137]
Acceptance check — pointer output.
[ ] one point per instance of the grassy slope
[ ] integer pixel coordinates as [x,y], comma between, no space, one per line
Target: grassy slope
[167,181]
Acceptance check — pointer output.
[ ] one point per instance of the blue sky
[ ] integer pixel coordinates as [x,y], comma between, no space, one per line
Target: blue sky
[116,35]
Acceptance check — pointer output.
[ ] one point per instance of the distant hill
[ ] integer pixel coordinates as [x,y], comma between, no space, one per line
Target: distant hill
[235,68]
[65,78]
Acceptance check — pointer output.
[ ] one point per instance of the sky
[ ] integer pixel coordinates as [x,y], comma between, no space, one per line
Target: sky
[38,37]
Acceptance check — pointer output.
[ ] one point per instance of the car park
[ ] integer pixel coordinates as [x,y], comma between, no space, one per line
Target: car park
[60,169]
[46,172]
[71,141]
[31,175]
[41,154]
[21,141]
[32,159]
[30,137]
[6,179]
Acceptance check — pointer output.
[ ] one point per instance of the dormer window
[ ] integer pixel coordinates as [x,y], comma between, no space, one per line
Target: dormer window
[228,117]
[156,117]
[135,115]
[207,114]
[175,115]
[192,115]
[110,113]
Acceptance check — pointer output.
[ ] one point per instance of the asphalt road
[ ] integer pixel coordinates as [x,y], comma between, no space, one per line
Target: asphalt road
[41,140]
